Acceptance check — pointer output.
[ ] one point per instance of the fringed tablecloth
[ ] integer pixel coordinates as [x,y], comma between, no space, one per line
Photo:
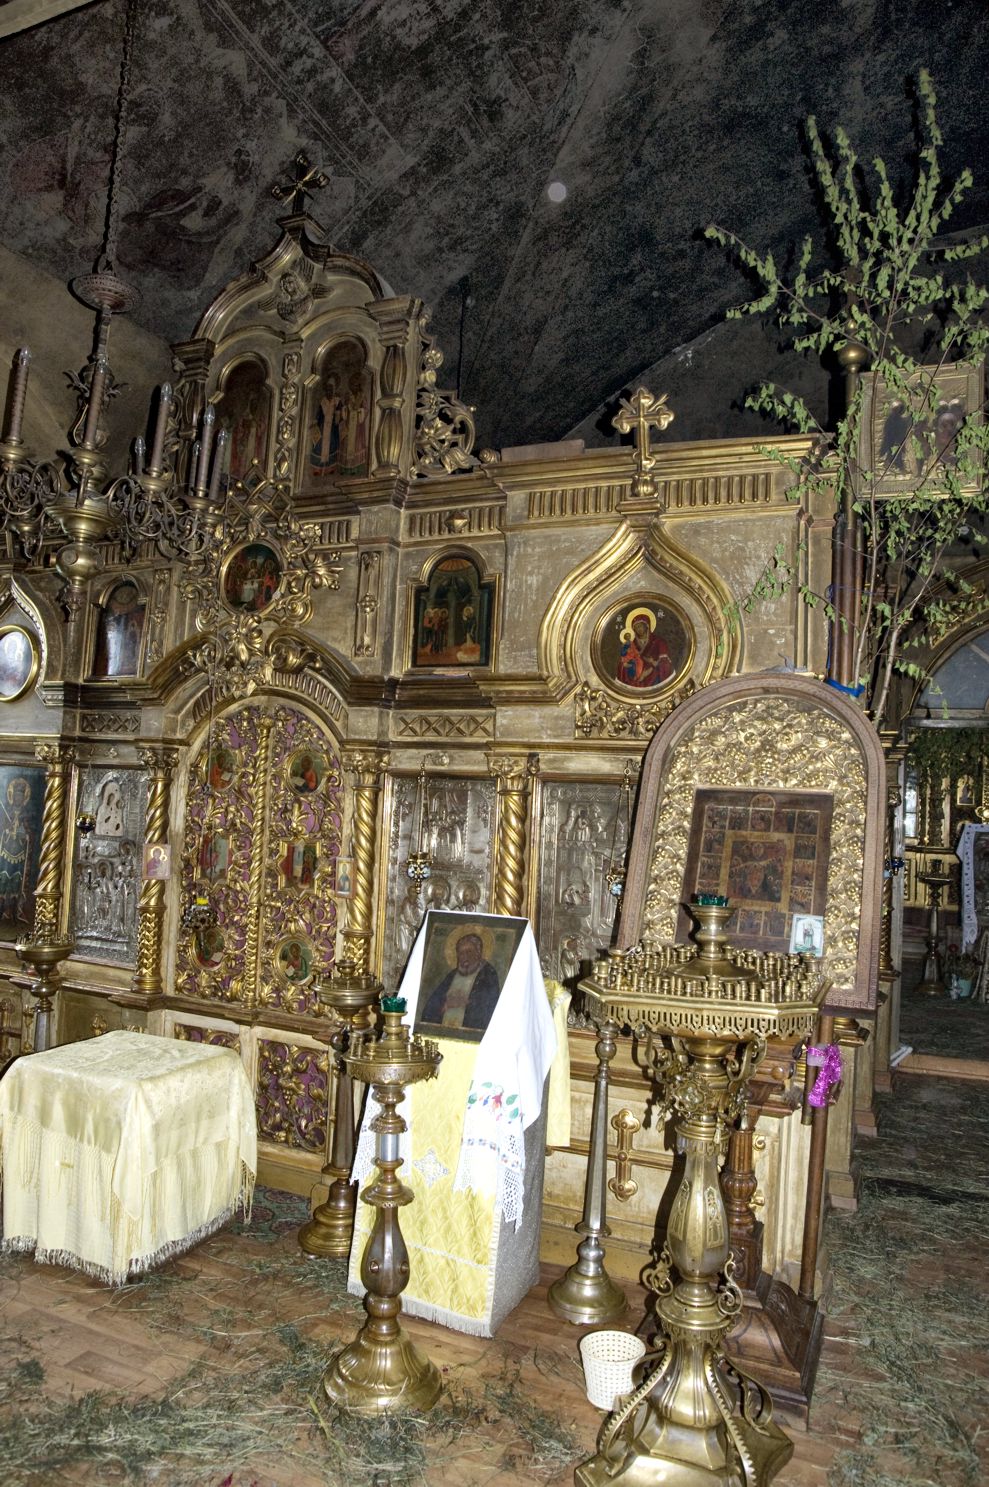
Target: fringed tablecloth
[123,1150]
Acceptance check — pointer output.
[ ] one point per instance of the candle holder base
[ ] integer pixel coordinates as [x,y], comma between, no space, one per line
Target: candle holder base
[665,1454]
[372,1378]
[329,1234]
[349,994]
[586,1294]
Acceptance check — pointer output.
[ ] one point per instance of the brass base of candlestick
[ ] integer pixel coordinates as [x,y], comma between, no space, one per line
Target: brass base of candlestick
[586,1294]
[932,974]
[374,1375]
[349,994]
[934,987]
[329,1234]
[669,1455]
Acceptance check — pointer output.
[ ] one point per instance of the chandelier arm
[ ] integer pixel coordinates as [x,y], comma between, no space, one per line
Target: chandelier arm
[27,493]
[143,512]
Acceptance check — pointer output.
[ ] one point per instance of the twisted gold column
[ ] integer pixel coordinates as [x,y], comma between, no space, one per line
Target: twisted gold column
[255,881]
[513,773]
[160,763]
[368,767]
[46,947]
[48,895]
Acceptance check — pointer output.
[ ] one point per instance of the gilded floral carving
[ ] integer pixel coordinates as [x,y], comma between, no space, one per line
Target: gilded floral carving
[292,1095]
[770,743]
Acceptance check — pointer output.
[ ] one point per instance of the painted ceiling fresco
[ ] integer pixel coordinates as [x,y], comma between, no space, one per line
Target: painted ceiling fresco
[442,124]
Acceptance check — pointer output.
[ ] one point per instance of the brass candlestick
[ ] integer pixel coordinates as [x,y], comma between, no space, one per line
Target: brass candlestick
[932,977]
[586,1293]
[329,1233]
[696,1420]
[382,1369]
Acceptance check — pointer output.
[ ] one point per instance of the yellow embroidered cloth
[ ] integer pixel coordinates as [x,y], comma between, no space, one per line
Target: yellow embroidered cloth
[122,1150]
[452,1237]
[459,1249]
[558,1100]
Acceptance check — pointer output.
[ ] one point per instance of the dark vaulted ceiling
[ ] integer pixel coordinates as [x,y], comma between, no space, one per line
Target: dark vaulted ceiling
[443,124]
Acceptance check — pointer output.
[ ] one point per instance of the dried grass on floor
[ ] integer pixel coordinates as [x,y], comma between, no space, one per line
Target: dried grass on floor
[907,1290]
[252,1408]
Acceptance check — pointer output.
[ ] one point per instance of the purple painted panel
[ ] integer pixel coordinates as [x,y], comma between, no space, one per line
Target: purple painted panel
[292,1095]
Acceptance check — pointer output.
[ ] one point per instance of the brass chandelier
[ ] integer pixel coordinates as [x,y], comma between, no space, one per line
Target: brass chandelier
[69,497]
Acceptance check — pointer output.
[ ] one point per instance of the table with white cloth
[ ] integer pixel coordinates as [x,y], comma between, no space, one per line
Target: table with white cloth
[123,1150]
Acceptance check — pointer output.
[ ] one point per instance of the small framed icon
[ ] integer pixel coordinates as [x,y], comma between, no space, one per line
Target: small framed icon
[19,662]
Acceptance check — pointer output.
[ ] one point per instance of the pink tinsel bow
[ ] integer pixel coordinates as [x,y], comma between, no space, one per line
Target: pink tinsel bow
[828,1061]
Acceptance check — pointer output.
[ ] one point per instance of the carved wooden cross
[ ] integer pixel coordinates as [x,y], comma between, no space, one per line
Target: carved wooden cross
[306,180]
[639,414]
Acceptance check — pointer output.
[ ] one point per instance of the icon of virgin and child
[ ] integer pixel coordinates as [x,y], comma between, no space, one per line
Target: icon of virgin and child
[644,658]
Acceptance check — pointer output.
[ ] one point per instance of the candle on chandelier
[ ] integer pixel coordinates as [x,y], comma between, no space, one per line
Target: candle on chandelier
[158,441]
[219,460]
[18,393]
[96,385]
[138,456]
[209,418]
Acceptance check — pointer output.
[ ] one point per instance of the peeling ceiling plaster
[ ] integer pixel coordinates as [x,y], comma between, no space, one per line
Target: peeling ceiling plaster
[442,124]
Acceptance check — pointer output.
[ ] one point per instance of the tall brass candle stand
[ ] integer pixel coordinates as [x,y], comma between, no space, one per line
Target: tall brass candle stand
[382,1369]
[586,1293]
[350,994]
[932,976]
[697,1420]
[43,957]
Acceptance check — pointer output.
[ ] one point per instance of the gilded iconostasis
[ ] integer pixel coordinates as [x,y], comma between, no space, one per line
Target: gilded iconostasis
[370,640]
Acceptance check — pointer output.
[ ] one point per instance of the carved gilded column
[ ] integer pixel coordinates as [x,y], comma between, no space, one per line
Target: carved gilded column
[388,441]
[58,758]
[514,773]
[160,763]
[255,882]
[368,767]
[46,946]
[396,319]
[891,938]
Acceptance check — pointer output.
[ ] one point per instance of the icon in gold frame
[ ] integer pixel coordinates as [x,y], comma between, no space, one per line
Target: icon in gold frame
[20,660]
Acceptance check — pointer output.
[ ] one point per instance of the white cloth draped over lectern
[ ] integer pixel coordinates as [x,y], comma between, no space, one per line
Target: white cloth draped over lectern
[473,1156]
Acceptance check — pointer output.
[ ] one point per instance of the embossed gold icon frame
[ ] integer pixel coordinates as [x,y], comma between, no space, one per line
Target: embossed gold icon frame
[641,600]
[33,669]
[260,541]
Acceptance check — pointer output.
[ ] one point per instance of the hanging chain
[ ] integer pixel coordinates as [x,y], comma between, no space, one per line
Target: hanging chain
[119,134]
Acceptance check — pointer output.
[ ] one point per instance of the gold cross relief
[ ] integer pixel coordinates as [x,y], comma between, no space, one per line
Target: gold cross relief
[638,415]
[306,180]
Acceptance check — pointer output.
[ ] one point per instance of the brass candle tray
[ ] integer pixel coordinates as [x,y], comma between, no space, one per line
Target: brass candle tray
[674,990]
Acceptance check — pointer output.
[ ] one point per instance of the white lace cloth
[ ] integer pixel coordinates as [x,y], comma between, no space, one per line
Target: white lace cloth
[505,1097]
[965,852]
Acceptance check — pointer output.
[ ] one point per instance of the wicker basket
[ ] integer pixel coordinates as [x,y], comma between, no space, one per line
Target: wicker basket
[608,1359]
